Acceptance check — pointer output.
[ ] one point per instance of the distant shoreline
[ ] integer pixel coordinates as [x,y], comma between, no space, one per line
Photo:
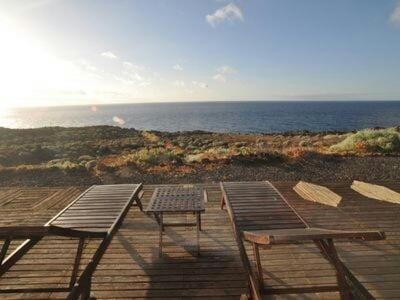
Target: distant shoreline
[285,133]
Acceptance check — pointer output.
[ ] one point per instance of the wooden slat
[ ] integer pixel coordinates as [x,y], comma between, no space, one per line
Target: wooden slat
[259,197]
[97,200]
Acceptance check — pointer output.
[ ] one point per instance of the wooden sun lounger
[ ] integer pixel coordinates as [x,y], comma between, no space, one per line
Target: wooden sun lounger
[97,213]
[262,216]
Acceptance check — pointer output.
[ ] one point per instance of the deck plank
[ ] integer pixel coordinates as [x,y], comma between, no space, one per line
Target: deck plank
[131,267]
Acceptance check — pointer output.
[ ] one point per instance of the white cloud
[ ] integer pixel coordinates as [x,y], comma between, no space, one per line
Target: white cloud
[109,55]
[199,84]
[87,65]
[177,67]
[395,16]
[219,77]
[132,74]
[128,64]
[226,70]
[138,77]
[223,72]
[230,13]
[179,83]
[132,78]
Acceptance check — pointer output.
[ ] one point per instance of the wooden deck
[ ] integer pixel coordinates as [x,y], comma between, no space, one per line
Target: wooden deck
[131,267]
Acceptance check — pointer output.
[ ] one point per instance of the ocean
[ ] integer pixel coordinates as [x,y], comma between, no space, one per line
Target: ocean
[243,117]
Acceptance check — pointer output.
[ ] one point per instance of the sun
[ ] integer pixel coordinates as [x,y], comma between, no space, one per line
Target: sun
[4,107]
[29,74]
[23,67]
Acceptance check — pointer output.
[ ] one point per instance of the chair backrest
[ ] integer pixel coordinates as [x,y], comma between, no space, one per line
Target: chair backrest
[98,208]
[259,206]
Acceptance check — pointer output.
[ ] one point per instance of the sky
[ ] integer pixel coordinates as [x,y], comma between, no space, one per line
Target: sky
[68,52]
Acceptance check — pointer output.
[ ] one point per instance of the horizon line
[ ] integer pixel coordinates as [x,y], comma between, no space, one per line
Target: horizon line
[201,101]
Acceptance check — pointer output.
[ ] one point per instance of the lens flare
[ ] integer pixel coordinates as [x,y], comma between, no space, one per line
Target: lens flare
[119,120]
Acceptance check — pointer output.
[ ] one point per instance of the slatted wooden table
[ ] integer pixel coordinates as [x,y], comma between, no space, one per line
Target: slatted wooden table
[177,199]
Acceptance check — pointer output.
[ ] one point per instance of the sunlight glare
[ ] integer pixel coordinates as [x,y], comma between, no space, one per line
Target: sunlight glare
[29,74]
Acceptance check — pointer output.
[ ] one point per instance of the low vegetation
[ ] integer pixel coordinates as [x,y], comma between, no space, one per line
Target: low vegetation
[100,150]
[370,141]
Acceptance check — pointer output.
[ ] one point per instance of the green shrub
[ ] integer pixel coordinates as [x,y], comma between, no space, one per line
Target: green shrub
[39,154]
[64,165]
[85,158]
[240,144]
[194,158]
[152,157]
[104,150]
[304,143]
[370,140]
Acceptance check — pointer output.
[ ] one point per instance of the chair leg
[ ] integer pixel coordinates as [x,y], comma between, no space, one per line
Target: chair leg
[157,218]
[198,229]
[200,221]
[161,224]
[4,249]
[222,202]
[139,202]
[77,262]
[330,251]
[256,251]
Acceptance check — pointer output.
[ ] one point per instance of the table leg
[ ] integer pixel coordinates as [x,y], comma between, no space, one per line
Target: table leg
[198,232]
[200,221]
[157,218]
[161,234]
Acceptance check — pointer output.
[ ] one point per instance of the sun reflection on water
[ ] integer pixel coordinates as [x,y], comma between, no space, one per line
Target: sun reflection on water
[5,112]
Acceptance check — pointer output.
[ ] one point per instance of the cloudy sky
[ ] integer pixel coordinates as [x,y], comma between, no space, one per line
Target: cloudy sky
[62,52]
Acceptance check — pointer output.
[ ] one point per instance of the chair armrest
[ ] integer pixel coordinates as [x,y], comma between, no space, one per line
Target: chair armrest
[267,237]
[28,232]
[205,193]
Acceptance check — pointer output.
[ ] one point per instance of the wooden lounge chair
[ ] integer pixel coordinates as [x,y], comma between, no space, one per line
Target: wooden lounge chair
[262,216]
[96,214]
